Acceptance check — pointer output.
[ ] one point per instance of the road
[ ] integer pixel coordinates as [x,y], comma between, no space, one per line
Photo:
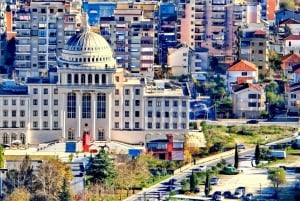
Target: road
[160,192]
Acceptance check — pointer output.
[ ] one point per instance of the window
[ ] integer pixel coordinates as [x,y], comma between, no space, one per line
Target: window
[158,103]
[137,113]
[35,113]
[45,113]
[183,125]
[101,136]
[126,102]
[149,125]
[183,114]
[137,92]
[117,92]
[127,91]
[175,125]
[116,124]
[166,125]
[183,103]
[35,124]
[251,104]
[136,125]
[167,114]
[22,113]
[82,79]
[252,96]
[117,79]
[13,113]
[71,105]
[261,44]
[126,113]
[22,124]
[126,125]
[69,79]
[117,102]
[55,124]
[71,134]
[137,102]
[13,124]
[22,102]
[45,91]
[35,91]
[293,96]
[101,105]
[117,113]
[260,51]
[244,73]
[175,114]
[86,106]
[55,102]
[13,102]
[5,113]
[150,103]
[45,101]
[149,114]
[167,103]
[45,124]
[175,103]
[55,91]
[158,114]
[35,101]
[157,125]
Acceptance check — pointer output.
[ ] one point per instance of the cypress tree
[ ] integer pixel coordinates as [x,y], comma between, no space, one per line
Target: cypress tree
[236,157]
[207,187]
[257,154]
[65,193]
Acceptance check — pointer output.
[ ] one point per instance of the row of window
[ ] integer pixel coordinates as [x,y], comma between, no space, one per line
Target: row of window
[159,114]
[6,139]
[13,102]
[127,92]
[86,105]
[45,91]
[90,79]
[35,124]
[167,103]
[13,124]
[14,113]
[100,135]
[45,102]
[151,125]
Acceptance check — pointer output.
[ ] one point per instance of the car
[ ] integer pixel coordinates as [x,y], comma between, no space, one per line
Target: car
[237,194]
[227,194]
[252,121]
[241,146]
[171,188]
[248,197]
[202,167]
[217,196]
[214,180]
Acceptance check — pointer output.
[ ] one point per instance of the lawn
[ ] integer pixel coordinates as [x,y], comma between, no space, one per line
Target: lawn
[246,134]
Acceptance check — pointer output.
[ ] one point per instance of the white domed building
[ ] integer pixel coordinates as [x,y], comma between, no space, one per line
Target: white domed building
[86,83]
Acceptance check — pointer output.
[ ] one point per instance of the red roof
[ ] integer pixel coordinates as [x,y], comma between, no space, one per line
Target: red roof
[242,65]
[290,60]
[260,32]
[293,37]
[271,6]
[290,21]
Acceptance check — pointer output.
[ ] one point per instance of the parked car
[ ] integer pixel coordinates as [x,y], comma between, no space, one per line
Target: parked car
[248,197]
[228,170]
[241,146]
[252,121]
[214,180]
[227,194]
[202,167]
[217,196]
[237,194]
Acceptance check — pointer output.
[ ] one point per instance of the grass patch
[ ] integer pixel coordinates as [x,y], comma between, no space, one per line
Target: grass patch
[157,180]
[32,157]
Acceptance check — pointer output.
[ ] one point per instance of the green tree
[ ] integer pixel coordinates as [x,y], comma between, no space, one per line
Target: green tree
[2,157]
[65,192]
[277,176]
[257,155]
[236,157]
[289,4]
[207,187]
[193,182]
[102,169]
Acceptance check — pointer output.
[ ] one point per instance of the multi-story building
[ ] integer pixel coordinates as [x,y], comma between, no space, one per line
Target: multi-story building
[87,93]
[131,34]
[254,48]
[42,28]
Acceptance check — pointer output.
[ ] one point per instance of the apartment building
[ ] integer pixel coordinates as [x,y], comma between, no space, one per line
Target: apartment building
[42,29]
[130,32]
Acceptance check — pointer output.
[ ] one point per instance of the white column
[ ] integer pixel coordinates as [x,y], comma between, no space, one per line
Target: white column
[94,112]
[63,116]
[78,100]
[109,115]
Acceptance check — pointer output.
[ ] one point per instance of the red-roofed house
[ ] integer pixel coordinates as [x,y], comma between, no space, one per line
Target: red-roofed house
[248,100]
[287,63]
[291,44]
[239,70]
[292,25]
[292,97]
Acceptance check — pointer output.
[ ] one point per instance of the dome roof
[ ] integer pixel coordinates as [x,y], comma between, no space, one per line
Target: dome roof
[88,49]
[86,42]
